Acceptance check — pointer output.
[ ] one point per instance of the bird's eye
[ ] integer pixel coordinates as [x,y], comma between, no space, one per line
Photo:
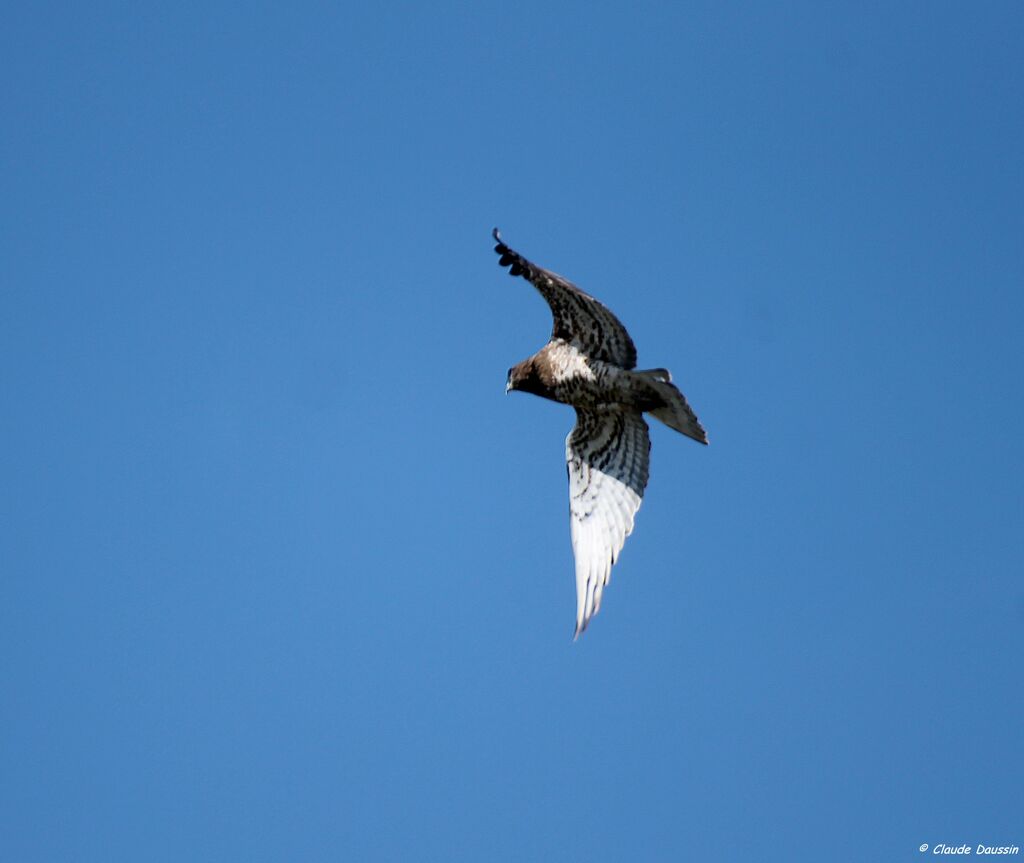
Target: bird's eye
[508,374]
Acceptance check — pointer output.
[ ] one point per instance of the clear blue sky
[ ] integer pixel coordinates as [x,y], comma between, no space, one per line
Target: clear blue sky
[287,576]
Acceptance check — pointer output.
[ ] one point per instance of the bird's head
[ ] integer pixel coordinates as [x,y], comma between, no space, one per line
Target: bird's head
[524,377]
[513,379]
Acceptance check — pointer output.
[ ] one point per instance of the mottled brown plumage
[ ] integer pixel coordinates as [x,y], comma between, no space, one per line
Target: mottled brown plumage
[589,363]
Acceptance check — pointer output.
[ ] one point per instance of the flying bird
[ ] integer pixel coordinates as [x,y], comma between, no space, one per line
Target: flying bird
[590,363]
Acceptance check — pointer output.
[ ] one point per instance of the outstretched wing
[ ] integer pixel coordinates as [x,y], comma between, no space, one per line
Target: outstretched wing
[579,318]
[608,454]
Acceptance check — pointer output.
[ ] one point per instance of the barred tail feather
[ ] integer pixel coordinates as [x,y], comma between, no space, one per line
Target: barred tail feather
[672,408]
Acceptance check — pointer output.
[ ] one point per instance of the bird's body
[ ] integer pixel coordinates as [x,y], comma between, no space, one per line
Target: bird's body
[563,373]
[589,363]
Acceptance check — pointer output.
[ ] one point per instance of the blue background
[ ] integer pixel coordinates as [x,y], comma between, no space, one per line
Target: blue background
[286,575]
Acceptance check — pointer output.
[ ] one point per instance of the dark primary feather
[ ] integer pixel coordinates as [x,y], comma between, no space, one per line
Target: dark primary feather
[578,318]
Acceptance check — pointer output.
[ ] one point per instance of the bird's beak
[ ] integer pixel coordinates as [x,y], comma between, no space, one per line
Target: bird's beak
[508,387]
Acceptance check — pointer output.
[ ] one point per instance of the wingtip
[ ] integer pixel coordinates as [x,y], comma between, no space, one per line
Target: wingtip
[581,627]
[507,255]
[501,248]
[517,265]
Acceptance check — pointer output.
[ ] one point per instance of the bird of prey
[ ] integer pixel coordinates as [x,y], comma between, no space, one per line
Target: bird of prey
[590,363]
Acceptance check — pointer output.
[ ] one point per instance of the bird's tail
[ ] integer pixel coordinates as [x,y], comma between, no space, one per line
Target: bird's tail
[669,405]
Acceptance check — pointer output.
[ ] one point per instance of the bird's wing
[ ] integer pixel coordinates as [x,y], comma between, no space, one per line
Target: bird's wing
[579,318]
[607,454]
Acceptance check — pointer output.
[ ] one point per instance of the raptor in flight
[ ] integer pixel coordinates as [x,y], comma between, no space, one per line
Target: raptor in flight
[590,363]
